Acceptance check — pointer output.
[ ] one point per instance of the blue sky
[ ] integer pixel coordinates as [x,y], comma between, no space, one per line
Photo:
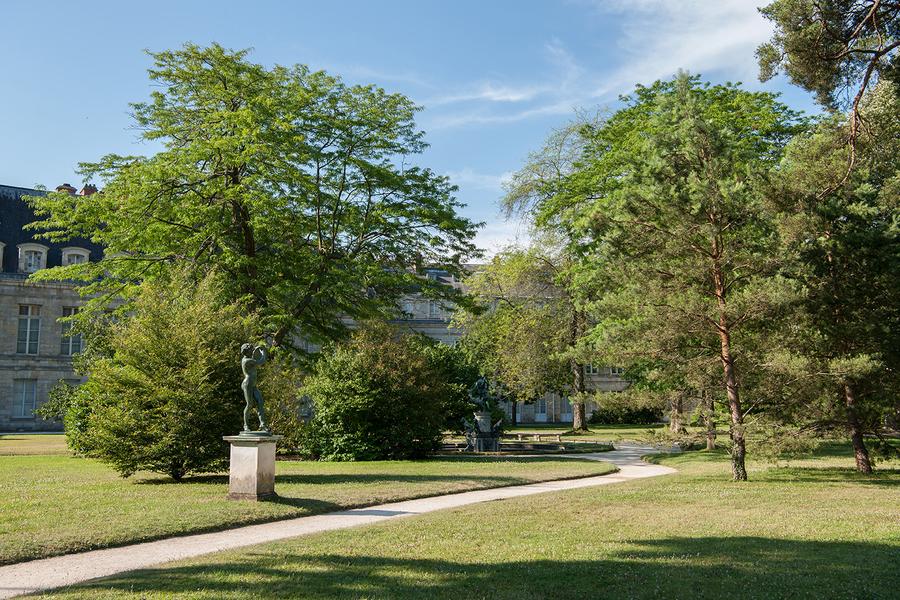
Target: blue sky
[494,76]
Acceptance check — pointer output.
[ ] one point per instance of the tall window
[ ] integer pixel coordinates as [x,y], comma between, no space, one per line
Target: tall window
[29,329]
[24,394]
[434,310]
[70,344]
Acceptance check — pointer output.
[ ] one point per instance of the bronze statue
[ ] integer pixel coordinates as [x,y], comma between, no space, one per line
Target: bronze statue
[251,358]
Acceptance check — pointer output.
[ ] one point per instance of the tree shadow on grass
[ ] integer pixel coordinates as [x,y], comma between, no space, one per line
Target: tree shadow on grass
[348,479]
[881,477]
[711,567]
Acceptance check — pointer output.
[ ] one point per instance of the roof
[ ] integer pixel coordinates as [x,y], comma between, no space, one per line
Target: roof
[14,215]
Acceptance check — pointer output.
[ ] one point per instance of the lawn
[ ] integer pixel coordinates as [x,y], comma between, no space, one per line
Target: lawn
[57,504]
[20,443]
[813,529]
[597,433]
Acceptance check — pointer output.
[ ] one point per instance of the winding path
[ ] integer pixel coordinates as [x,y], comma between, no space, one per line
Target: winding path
[60,571]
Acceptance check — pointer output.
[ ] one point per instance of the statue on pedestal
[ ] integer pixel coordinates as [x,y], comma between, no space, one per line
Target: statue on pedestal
[251,358]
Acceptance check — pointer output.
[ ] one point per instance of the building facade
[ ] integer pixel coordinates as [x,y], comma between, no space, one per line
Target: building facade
[35,347]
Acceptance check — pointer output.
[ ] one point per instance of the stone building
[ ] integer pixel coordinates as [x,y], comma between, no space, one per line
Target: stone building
[35,350]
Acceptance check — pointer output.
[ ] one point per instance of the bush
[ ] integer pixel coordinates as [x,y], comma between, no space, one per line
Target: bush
[288,409]
[380,395]
[169,388]
[455,369]
[625,408]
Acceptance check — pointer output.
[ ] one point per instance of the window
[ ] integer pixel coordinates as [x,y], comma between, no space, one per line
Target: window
[408,309]
[434,310]
[617,370]
[74,255]
[69,344]
[29,329]
[32,257]
[541,407]
[24,394]
[590,369]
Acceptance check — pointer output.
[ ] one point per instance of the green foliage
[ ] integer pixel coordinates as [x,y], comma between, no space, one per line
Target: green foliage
[168,391]
[843,251]
[453,367]
[378,396]
[288,410]
[521,333]
[628,407]
[832,47]
[297,187]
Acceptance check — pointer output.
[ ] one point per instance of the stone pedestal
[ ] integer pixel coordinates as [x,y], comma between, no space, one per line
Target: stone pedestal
[486,442]
[251,473]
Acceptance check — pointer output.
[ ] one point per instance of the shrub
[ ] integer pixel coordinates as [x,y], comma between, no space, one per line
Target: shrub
[625,408]
[380,395]
[458,372]
[169,388]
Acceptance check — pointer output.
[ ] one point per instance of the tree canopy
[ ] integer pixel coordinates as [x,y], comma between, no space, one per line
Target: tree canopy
[302,190]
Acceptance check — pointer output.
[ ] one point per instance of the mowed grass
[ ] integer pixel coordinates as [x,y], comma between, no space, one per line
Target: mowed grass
[58,504]
[813,529]
[597,433]
[12,444]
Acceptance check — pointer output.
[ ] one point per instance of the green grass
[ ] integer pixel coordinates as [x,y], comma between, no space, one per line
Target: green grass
[58,504]
[597,433]
[813,529]
[20,443]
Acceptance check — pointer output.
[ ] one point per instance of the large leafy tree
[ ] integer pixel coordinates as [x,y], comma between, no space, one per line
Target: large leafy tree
[522,332]
[301,189]
[671,196]
[546,174]
[844,251]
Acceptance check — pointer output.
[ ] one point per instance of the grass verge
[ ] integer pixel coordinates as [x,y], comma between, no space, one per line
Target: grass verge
[812,529]
[58,504]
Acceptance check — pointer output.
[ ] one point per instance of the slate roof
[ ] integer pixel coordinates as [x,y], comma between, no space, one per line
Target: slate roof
[14,215]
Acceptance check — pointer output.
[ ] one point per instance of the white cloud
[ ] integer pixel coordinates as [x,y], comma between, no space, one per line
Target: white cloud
[659,37]
[468,178]
[655,39]
[491,92]
[499,234]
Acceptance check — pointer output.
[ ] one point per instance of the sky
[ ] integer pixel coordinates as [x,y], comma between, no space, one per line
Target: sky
[494,77]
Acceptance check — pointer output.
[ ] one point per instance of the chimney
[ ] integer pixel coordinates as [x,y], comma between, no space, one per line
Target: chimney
[88,189]
[65,188]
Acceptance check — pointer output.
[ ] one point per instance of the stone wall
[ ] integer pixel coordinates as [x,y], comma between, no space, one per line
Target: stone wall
[49,365]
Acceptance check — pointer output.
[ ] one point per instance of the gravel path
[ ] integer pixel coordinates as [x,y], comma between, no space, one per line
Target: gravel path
[60,571]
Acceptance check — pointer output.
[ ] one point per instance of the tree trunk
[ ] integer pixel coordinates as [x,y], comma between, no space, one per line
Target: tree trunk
[709,420]
[579,421]
[863,464]
[512,412]
[738,447]
[676,412]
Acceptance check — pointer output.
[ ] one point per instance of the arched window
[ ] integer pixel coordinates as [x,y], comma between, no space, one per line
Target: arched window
[74,255]
[32,257]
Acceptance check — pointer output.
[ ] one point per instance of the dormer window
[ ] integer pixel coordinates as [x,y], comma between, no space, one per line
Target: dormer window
[74,256]
[32,257]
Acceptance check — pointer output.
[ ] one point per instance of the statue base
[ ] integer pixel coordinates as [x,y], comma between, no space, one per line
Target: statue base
[251,468]
[486,442]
